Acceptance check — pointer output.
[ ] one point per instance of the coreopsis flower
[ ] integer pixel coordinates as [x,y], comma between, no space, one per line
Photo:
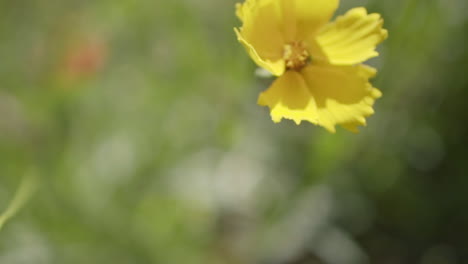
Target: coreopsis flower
[321,78]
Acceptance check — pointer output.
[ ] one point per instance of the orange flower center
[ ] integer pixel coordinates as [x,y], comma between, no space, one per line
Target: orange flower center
[295,55]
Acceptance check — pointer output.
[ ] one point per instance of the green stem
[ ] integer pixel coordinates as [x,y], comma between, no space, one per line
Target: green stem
[25,190]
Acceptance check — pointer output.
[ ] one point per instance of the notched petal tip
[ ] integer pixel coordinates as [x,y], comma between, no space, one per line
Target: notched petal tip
[330,128]
[352,38]
[289,97]
[352,127]
[343,94]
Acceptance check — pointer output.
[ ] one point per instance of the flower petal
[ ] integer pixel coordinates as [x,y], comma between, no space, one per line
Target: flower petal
[276,68]
[312,15]
[262,32]
[289,97]
[350,39]
[343,94]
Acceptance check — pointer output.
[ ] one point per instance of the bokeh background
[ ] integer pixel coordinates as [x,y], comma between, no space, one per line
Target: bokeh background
[139,120]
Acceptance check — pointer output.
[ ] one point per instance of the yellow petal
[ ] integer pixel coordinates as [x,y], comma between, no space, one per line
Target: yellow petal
[343,94]
[261,32]
[350,39]
[312,15]
[276,67]
[288,97]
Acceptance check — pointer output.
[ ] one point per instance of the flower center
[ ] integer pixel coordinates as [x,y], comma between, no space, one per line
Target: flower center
[295,55]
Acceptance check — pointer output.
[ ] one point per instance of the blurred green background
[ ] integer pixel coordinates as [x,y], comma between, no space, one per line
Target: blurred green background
[139,119]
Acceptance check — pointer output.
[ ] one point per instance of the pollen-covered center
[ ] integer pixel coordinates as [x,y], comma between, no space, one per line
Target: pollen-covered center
[295,55]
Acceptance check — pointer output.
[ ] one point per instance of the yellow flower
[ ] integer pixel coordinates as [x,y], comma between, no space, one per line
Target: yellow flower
[321,78]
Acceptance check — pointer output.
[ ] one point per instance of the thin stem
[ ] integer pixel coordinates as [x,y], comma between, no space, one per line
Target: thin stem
[25,190]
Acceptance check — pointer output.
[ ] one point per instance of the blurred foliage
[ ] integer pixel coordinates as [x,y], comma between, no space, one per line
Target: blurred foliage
[140,119]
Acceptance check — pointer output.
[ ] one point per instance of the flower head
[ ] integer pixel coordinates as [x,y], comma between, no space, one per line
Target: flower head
[321,78]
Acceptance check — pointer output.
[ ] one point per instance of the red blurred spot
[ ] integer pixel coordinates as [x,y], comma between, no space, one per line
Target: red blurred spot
[85,59]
